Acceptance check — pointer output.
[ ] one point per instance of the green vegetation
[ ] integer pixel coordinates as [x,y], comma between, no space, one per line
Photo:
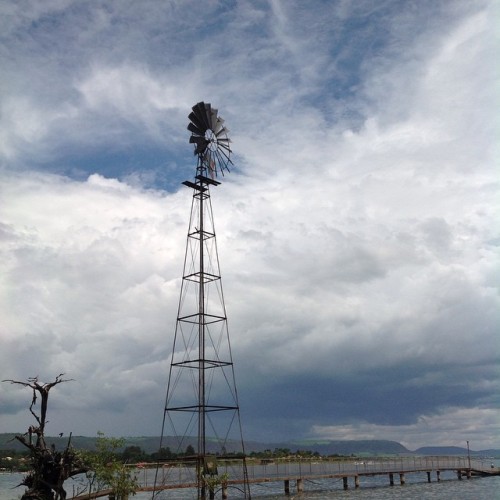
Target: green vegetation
[13,460]
[284,453]
[107,470]
[102,448]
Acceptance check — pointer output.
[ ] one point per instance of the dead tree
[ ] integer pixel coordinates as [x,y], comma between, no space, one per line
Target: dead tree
[49,468]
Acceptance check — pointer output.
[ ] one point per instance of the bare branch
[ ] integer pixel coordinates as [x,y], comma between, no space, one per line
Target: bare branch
[50,468]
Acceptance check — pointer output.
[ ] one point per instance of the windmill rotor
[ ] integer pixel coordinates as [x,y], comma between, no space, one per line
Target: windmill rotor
[210,139]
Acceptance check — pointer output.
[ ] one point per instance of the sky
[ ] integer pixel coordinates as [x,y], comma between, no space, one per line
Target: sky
[357,232]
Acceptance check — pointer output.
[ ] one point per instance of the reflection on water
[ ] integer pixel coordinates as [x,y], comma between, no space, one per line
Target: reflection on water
[376,488]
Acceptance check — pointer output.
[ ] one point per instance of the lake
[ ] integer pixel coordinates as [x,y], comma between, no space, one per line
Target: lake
[375,488]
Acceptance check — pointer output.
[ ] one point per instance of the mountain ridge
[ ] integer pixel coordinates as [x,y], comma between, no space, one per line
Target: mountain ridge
[366,447]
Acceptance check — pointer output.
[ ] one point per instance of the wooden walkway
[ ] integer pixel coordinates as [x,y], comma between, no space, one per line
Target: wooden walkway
[293,474]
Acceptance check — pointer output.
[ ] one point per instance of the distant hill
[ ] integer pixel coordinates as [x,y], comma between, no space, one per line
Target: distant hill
[150,444]
[363,447]
[454,450]
[441,450]
[8,442]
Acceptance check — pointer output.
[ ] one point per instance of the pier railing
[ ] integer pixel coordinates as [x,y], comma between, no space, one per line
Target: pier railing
[179,474]
[299,468]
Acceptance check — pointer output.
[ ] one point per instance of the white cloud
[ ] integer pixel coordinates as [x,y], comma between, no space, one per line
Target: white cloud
[356,232]
[454,426]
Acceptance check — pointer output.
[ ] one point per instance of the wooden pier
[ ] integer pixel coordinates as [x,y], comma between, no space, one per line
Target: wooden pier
[294,474]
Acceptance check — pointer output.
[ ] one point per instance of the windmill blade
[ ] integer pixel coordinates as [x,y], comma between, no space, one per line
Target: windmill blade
[223,163]
[219,126]
[201,142]
[221,151]
[197,118]
[194,129]
[214,119]
[201,148]
[223,130]
[227,148]
[200,112]
[208,115]
[197,123]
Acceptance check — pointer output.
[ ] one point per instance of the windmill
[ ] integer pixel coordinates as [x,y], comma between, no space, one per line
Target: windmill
[202,399]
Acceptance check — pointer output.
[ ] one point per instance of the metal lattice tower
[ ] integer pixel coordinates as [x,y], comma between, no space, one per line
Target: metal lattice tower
[202,399]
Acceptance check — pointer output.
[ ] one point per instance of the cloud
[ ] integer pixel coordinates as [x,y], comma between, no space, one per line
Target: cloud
[448,424]
[355,233]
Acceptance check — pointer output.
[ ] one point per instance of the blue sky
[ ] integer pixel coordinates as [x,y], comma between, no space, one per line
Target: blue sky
[357,232]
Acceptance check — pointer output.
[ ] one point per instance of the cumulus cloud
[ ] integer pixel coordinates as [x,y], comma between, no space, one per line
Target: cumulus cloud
[355,233]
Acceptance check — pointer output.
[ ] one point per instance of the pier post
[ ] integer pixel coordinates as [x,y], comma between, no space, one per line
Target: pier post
[438,475]
[428,476]
[391,479]
[356,481]
[402,479]
[300,485]
[346,484]
[469,474]
[287,487]
[459,474]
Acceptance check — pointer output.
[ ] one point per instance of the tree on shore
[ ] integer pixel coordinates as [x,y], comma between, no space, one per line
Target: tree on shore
[108,470]
[49,467]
